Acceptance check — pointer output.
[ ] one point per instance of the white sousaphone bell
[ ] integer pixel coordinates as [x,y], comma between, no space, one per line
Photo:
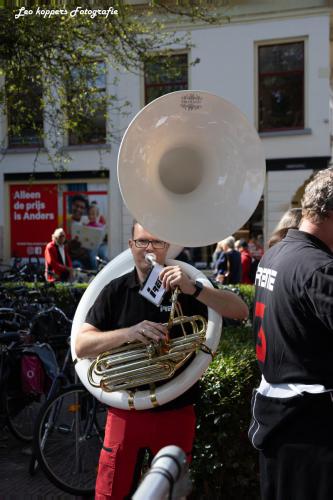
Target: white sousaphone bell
[191,170]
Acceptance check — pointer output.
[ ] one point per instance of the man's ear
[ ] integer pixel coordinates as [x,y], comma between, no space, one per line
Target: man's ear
[130,243]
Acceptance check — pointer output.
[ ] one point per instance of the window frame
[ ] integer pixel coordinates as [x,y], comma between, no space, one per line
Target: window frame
[39,142]
[175,53]
[292,130]
[100,90]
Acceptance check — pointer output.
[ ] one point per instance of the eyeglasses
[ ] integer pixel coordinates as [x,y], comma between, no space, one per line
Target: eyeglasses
[157,244]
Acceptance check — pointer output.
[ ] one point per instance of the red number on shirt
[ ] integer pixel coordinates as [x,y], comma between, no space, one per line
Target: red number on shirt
[261,342]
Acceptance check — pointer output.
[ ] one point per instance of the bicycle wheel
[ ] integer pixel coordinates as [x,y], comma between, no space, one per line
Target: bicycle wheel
[68,440]
[21,414]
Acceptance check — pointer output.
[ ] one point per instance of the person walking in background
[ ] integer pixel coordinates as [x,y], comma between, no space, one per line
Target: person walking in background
[246,261]
[221,263]
[292,409]
[58,263]
[255,246]
[256,249]
[290,220]
[216,254]
[228,268]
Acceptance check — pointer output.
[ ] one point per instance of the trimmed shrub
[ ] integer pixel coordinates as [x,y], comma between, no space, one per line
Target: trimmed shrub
[64,295]
[224,462]
[68,296]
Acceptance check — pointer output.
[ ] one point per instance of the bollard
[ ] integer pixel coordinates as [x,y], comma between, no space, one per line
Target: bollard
[167,478]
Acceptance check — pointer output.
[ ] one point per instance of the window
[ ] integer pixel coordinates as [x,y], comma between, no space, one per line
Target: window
[24,111]
[86,104]
[281,86]
[167,74]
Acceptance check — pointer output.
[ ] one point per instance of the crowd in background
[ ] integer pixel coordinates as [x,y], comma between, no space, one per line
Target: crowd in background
[236,262]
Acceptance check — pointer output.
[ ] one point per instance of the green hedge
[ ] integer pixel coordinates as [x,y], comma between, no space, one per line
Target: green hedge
[65,296]
[224,463]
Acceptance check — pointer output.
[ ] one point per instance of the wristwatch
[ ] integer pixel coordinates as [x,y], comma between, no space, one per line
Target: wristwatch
[198,288]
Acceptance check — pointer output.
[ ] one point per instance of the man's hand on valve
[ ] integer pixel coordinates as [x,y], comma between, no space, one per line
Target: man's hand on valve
[174,276]
[147,332]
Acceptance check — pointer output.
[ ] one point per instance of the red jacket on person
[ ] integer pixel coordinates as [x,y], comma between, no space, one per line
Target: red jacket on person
[55,268]
[246,261]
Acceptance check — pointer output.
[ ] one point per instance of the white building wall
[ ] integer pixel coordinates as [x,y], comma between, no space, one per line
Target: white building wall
[26,162]
[227,68]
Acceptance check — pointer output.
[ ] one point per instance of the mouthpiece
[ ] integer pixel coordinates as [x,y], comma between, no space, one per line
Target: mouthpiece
[151,258]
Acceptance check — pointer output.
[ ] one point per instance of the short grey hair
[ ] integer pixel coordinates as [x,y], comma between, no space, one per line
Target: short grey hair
[317,200]
[229,242]
[57,233]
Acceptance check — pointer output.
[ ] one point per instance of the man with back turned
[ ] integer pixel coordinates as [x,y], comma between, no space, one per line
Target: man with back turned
[292,410]
[121,315]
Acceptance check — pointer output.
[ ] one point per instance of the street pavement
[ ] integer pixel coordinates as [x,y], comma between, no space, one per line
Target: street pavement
[15,481]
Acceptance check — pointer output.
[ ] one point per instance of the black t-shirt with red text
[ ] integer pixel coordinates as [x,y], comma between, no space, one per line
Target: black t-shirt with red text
[293,314]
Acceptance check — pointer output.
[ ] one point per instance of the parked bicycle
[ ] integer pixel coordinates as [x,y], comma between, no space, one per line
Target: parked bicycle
[28,270]
[68,439]
[68,433]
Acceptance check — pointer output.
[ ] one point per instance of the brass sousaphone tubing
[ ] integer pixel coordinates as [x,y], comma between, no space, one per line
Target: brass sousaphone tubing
[136,364]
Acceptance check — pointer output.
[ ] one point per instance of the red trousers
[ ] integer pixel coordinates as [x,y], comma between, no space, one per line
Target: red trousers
[127,432]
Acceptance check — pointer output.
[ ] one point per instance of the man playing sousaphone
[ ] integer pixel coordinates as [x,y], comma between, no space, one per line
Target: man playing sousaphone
[121,315]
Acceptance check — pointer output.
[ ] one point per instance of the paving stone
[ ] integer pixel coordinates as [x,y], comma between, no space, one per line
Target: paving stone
[15,481]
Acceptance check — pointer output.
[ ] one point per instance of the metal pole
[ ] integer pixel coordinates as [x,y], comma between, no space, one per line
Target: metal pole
[167,478]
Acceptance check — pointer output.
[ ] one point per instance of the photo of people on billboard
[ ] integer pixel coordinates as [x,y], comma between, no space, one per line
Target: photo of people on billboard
[85,226]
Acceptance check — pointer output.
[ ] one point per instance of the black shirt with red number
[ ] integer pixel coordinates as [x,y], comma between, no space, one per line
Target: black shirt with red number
[119,305]
[293,316]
